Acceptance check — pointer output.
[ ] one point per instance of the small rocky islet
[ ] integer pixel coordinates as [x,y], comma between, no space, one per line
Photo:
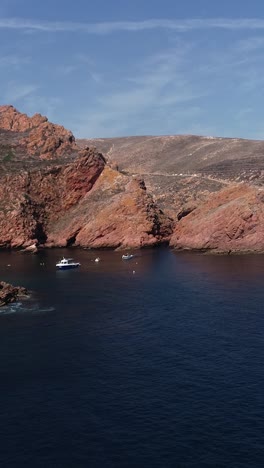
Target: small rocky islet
[10,293]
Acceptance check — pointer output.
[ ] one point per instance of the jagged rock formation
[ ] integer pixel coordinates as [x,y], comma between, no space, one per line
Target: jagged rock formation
[52,193]
[199,192]
[33,136]
[9,293]
[117,212]
[211,187]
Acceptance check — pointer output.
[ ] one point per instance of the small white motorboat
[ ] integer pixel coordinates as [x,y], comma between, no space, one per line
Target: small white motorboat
[97,259]
[127,256]
[67,263]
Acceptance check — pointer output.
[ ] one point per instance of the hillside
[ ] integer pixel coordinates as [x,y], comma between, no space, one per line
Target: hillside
[192,177]
[220,158]
[52,193]
[193,192]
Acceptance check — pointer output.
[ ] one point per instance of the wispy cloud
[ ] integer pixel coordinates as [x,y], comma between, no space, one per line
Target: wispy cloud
[66,69]
[90,67]
[15,91]
[183,87]
[183,25]
[150,96]
[13,61]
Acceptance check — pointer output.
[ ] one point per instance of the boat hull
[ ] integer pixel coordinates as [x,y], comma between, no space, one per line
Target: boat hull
[66,267]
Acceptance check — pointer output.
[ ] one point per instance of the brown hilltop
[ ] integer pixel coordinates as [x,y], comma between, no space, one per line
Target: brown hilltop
[232,159]
[55,194]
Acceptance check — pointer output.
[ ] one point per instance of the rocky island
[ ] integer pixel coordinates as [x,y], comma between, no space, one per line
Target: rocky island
[9,293]
[189,192]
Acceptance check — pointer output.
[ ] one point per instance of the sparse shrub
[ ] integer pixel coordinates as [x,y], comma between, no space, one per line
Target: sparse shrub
[8,156]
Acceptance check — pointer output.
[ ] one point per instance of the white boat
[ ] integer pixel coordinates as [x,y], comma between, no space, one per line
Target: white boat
[67,263]
[97,259]
[127,256]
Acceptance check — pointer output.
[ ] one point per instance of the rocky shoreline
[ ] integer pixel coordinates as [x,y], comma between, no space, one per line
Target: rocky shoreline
[10,293]
[188,192]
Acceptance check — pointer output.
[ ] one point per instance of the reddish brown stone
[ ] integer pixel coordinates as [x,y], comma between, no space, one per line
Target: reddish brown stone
[35,136]
[53,193]
[231,220]
[9,293]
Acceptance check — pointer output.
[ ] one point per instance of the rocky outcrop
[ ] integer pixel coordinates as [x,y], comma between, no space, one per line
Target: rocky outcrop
[195,192]
[49,197]
[210,187]
[11,119]
[231,220]
[118,213]
[32,200]
[34,136]
[9,293]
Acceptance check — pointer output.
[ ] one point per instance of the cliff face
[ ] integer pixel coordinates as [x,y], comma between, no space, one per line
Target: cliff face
[231,220]
[117,212]
[211,187]
[194,192]
[55,194]
[32,200]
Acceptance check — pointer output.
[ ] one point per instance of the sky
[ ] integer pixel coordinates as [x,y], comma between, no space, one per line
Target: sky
[108,68]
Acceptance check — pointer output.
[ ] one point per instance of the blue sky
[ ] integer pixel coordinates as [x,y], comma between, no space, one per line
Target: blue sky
[108,68]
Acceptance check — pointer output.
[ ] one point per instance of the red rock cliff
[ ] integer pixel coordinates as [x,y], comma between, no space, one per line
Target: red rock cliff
[35,136]
[231,220]
[55,194]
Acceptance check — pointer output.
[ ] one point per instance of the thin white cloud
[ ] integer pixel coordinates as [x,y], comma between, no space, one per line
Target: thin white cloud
[158,85]
[66,69]
[151,95]
[96,77]
[13,61]
[15,92]
[183,25]
[167,93]
[251,44]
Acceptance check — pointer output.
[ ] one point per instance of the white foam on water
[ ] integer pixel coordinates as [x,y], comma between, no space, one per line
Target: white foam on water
[19,307]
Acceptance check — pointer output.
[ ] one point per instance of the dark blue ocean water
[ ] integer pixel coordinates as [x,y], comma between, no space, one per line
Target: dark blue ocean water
[104,367]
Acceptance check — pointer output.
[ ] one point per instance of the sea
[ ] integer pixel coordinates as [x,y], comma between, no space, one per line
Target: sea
[153,362]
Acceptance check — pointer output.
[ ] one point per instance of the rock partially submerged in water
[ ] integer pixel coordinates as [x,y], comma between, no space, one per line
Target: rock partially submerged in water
[9,293]
[32,248]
